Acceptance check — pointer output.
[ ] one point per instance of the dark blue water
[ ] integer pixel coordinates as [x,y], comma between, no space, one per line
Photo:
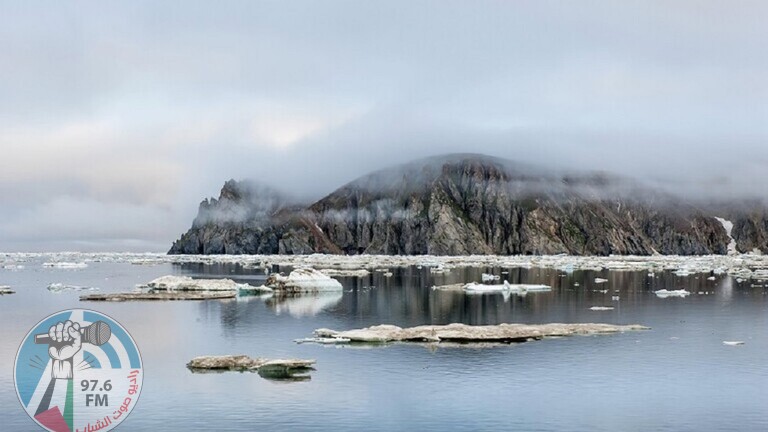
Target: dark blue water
[678,376]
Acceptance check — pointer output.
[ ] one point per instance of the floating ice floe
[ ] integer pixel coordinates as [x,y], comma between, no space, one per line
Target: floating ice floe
[12,267]
[489,277]
[439,269]
[505,287]
[60,287]
[66,265]
[601,308]
[663,293]
[462,333]
[186,283]
[323,340]
[733,343]
[303,280]
[345,272]
[5,289]
[600,280]
[161,295]
[277,368]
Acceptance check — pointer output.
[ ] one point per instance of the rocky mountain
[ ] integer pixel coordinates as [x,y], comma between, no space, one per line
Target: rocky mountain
[471,204]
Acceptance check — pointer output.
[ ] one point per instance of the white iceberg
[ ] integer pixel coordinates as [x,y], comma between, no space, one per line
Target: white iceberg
[303,280]
[663,293]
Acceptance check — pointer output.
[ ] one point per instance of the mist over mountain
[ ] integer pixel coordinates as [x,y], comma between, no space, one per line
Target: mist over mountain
[473,204]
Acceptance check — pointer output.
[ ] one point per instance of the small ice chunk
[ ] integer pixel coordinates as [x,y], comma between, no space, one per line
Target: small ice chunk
[663,293]
[601,308]
[733,343]
[600,280]
[345,272]
[324,340]
[5,289]
[489,277]
[65,265]
[60,287]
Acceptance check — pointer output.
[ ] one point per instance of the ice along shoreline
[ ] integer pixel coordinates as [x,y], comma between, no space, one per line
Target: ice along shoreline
[745,266]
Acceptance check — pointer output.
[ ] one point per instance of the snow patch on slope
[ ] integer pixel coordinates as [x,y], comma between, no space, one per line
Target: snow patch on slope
[728,227]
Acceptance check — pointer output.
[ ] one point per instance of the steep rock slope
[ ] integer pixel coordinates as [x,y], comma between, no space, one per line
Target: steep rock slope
[464,204]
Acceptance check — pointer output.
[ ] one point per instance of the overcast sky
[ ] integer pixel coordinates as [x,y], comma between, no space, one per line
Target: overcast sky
[117,119]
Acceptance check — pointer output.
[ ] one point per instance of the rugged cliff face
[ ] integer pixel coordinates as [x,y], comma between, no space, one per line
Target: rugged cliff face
[252,219]
[467,204]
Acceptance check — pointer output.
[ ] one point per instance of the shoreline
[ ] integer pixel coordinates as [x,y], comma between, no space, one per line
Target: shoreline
[745,266]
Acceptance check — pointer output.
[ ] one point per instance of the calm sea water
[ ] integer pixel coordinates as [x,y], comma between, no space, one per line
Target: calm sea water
[678,376]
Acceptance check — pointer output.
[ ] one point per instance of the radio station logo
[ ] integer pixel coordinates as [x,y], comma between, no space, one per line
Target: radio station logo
[78,371]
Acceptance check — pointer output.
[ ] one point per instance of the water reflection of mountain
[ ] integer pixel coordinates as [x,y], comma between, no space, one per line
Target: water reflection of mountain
[406,298]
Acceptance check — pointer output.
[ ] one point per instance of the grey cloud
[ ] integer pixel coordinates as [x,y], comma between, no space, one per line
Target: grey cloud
[143,109]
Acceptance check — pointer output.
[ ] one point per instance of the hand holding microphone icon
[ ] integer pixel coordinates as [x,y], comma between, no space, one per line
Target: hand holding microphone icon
[65,339]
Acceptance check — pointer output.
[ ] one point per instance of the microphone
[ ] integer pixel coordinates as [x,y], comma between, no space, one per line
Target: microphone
[97,334]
